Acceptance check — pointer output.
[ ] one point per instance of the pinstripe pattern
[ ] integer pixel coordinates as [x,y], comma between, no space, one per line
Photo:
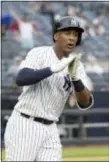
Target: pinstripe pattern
[44,94]
[51,148]
[26,137]
[26,140]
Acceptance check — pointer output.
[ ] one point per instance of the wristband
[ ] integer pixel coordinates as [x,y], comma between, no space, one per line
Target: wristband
[78,85]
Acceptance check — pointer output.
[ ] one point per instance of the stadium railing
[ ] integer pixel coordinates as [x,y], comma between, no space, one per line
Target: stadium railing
[67,137]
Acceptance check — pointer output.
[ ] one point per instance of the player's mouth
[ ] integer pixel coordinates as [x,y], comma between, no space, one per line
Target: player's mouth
[70,45]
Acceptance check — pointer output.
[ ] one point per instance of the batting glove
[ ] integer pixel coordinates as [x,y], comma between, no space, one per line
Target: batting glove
[73,66]
[63,63]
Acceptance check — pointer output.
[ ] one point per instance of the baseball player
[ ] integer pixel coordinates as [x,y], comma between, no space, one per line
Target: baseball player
[49,75]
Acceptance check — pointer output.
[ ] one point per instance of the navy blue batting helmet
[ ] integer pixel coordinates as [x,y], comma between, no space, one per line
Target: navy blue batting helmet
[68,22]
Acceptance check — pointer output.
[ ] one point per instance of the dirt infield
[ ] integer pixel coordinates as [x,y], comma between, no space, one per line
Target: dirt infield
[90,158]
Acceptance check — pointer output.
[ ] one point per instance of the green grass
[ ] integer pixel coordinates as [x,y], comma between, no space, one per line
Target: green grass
[3,155]
[86,151]
[81,151]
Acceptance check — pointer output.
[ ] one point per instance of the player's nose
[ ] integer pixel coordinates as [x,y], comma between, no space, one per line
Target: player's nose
[72,38]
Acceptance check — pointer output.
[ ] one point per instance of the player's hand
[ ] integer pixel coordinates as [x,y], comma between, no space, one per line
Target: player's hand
[63,63]
[73,66]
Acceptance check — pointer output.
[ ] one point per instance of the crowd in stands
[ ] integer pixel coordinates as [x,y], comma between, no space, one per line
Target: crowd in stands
[30,24]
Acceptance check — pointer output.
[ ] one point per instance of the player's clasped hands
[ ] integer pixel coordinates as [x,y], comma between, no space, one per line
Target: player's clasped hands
[72,62]
[73,67]
[62,64]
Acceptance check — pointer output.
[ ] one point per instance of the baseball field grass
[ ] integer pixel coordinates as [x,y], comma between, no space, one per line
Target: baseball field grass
[83,153]
[86,153]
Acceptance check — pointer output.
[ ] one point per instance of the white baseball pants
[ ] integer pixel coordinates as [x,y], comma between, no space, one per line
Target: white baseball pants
[28,140]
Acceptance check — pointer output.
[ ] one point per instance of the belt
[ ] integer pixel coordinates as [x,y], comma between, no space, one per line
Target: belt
[37,119]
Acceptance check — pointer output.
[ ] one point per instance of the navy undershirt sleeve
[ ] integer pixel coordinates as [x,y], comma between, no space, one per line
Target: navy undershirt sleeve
[28,76]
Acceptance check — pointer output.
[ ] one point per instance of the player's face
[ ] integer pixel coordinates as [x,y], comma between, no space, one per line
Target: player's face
[67,40]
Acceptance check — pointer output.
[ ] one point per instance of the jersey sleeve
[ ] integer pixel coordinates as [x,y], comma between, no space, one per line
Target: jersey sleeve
[33,59]
[81,74]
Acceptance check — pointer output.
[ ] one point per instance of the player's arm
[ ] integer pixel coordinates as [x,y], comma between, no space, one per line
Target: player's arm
[83,95]
[28,76]
[29,73]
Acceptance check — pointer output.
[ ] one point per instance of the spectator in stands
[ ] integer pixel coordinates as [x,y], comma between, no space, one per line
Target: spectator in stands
[14,28]
[71,11]
[92,30]
[99,27]
[92,66]
[13,70]
[34,7]
[47,9]
[6,20]
[26,30]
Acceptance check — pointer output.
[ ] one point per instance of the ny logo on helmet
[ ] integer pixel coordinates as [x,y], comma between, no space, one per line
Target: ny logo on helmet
[73,22]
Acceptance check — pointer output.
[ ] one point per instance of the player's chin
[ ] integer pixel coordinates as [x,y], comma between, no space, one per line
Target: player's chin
[67,52]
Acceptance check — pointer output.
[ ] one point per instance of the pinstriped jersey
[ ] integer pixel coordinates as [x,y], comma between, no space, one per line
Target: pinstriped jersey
[46,98]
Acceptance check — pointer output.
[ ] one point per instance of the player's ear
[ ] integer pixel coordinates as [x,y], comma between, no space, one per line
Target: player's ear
[56,36]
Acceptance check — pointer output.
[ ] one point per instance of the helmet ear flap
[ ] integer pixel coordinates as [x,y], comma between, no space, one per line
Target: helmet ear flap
[53,39]
[79,39]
